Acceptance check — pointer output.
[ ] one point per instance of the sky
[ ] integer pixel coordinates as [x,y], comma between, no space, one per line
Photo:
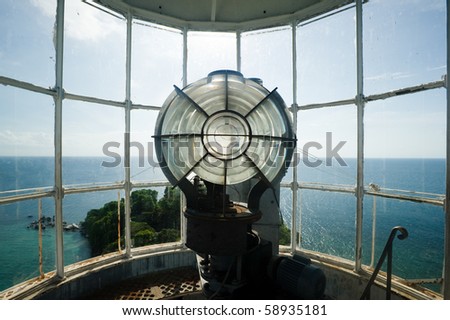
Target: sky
[404,45]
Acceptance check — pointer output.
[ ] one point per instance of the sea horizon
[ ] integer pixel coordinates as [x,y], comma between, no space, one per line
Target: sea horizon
[328,218]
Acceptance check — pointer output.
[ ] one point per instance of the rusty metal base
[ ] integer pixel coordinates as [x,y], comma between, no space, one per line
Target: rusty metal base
[168,284]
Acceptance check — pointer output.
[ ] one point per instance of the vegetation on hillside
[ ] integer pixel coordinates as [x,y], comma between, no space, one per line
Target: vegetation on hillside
[152,221]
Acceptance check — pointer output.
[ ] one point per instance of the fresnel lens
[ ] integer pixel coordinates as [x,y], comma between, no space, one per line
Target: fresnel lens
[225,140]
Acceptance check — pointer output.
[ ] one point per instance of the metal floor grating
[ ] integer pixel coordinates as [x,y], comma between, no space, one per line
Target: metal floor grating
[168,284]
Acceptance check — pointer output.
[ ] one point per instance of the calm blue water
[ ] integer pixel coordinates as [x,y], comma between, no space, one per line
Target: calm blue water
[327,219]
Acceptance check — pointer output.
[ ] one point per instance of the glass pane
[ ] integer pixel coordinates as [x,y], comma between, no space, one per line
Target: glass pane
[425,242]
[27,52]
[152,48]
[328,222]
[327,145]
[26,124]
[267,55]
[326,59]
[285,216]
[19,236]
[92,143]
[91,227]
[404,43]
[219,54]
[26,140]
[144,163]
[94,52]
[406,127]
[405,147]
[155,216]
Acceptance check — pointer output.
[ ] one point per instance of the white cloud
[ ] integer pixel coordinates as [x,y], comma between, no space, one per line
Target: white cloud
[7,137]
[48,8]
[26,143]
[389,75]
[82,21]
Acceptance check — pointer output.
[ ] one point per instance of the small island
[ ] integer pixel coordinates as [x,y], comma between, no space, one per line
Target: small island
[45,222]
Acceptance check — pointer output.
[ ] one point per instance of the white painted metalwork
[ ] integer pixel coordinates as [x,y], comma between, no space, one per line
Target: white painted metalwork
[27,196]
[26,85]
[360,134]
[446,271]
[407,90]
[197,17]
[127,138]
[295,218]
[185,56]
[328,104]
[59,191]
[41,265]
[238,51]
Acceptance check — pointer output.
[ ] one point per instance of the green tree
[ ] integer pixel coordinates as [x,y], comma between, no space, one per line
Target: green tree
[169,206]
[144,201]
[152,221]
[168,235]
[101,226]
[285,235]
[145,237]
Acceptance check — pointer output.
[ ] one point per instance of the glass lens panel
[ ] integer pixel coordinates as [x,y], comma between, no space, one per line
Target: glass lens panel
[226,129]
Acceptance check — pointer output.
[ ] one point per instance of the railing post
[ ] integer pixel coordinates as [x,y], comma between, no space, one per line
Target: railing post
[387,251]
[374,187]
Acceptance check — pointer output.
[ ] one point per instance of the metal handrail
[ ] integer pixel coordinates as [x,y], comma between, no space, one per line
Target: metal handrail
[386,252]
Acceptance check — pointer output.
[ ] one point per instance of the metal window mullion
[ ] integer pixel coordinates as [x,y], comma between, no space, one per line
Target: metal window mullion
[34,195]
[360,135]
[78,97]
[446,267]
[183,201]
[185,56]
[26,86]
[408,90]
[294,109]
[238,51]
[337,103]
[127,138]
[59,193]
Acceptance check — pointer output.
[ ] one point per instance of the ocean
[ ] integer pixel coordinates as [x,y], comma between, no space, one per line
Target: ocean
[327,219]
